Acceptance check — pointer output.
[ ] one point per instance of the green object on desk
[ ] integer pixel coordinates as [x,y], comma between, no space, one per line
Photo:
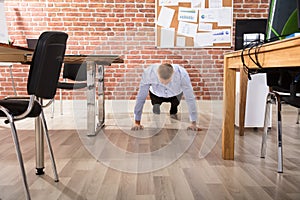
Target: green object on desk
[291,26]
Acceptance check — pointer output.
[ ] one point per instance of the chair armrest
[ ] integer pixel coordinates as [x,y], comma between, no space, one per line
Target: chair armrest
[27,98]
[17,97]
[49,103]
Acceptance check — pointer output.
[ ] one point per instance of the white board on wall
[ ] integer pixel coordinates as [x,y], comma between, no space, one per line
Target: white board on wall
[3,29]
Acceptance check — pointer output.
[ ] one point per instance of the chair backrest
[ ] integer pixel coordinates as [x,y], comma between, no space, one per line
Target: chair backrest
[75,72]
[281,79]
[46,64]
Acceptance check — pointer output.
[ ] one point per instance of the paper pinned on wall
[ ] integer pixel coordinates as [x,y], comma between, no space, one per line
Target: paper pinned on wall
[167,37]
[225,16]
[205,27]
[3,30]
[215,4]
[208,15]
[221,36]
[198,3]
[187,29]
[168,2]
[165,17]
[187,14]
[203,39]
[180,41]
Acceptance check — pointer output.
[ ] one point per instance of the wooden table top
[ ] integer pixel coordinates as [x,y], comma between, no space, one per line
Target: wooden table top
[11,53]
[281,53]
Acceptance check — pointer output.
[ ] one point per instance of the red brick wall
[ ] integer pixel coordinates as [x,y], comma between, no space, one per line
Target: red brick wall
[124,27]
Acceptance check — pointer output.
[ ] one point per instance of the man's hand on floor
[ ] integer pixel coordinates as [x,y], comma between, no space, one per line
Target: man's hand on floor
[137,126]
[194,127]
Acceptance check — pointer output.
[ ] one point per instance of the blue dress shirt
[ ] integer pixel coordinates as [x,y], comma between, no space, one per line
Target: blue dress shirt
[180,83]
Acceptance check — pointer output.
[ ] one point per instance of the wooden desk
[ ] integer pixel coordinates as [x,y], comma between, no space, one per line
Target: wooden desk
[95,64]
[284,53]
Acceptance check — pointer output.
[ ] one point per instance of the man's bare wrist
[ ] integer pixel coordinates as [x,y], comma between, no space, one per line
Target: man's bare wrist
[137,122]
[194,122]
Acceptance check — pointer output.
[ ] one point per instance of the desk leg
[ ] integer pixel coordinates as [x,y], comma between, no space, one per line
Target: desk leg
[243,97]
[228,113]
[91,98]
[101,105]
[39,146]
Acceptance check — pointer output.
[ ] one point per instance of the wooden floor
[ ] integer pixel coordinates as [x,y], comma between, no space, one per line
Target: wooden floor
[192,176]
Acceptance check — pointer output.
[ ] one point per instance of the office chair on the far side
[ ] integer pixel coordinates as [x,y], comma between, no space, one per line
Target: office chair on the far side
[75,77]
[42,82]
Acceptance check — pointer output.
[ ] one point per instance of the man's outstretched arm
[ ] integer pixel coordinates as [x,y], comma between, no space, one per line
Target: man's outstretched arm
[188,93]
[139,105]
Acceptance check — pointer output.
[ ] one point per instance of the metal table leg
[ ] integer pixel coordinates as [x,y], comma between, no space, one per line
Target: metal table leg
[101,101]
[39,146]
[91,98]
[95,101]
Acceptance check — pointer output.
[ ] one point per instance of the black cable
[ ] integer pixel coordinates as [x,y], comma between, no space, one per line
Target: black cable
[256,53]
[245,67]
[257,45]
[250,46]
[249,52]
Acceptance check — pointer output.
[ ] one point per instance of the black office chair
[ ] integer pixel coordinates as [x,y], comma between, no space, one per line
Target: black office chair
[293,99]
[279,81]
[75,78]
[42,83]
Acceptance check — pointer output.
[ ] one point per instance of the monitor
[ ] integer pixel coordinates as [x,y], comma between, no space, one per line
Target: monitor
[283,19]
[249,30]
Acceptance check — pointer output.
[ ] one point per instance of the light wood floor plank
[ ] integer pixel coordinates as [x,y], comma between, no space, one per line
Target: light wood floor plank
[189,177]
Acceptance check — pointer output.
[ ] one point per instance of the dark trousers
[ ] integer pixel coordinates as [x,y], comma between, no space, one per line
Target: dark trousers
[175,101]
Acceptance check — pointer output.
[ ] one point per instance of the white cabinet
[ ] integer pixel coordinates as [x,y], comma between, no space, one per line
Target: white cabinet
[255,103]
